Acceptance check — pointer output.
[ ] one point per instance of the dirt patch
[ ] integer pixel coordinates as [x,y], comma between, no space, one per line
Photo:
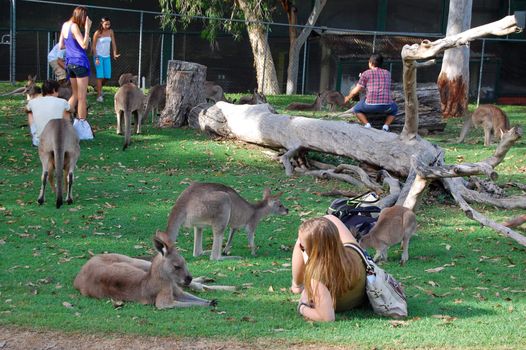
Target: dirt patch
[23,339]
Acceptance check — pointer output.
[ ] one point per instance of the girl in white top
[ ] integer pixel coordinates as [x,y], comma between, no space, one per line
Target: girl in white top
[103,42]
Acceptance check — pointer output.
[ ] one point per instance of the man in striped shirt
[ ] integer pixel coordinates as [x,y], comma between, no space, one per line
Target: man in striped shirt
[377,83]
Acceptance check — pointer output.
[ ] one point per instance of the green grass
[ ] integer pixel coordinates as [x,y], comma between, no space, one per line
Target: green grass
[122,198]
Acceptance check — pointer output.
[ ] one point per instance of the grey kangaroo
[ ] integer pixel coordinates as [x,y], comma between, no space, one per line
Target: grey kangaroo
[299,106]
[128,100]
[59,151]
[214,92]
[155,101]
[395,224]
[124,278]
[219,206]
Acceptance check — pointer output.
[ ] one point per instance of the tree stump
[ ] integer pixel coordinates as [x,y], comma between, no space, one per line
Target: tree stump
[184,90]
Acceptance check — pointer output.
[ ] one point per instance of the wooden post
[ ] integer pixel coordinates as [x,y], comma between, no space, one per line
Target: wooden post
[184,90]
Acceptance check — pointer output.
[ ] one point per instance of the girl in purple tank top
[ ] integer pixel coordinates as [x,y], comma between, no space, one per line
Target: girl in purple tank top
[77,65]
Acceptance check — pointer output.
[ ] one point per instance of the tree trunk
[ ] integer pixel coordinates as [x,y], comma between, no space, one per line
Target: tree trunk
[325,67]
[264,64]
[453,81]
[184,90]
[296,43]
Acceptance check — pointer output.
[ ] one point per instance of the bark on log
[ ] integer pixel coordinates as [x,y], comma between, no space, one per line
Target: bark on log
[184,90]
[257,124]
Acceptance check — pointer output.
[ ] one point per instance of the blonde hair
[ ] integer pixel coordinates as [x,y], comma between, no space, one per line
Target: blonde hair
[79,16]
[328,261]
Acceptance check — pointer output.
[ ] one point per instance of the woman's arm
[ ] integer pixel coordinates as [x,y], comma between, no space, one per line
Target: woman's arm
[320,309]
[61,40]
[75,30]
[94,43]
[114,45]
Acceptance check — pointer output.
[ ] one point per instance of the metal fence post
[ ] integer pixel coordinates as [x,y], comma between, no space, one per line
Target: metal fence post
[172,53]
[12,42]
[480,72]
[140,49]
[162,59]
[48,49]
[304,67]
[374,41]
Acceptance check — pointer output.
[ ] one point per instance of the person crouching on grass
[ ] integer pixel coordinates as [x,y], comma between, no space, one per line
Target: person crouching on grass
[42,109]
[330,277]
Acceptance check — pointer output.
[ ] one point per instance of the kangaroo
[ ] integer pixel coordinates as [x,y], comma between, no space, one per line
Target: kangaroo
[514,222]
[128,100]
[124,278]
[299,106]
[219,206]
[255,99]
[59,151]
[395,224]
[155,101]
[491,118]
[214,92]
[333,99]
[125,78]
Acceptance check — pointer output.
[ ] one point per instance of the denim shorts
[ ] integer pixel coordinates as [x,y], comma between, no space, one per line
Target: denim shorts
[365,108]
[75,71]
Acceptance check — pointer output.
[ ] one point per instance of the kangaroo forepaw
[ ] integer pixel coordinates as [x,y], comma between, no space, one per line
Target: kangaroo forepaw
[59,203]
[213,303]
[40,200]
[69,201]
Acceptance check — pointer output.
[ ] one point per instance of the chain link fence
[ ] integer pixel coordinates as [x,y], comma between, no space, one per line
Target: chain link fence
[330,59]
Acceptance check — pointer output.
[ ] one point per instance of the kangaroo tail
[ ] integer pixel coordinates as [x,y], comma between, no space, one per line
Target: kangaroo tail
[58,152]
[127,129]
[20,90]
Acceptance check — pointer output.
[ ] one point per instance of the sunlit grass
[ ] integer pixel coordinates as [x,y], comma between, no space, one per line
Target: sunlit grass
[122,198]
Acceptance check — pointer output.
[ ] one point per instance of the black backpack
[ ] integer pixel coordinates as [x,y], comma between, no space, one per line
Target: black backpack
[357,218]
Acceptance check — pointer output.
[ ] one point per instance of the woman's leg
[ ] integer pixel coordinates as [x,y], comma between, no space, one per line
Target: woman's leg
[74,92]
[82,91]
[99,87]
[298,269]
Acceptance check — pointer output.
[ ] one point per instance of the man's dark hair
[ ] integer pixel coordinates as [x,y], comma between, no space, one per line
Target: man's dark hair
[49,87]
[376,60]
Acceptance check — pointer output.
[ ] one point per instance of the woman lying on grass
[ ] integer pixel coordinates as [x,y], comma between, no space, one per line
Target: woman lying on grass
[334,276]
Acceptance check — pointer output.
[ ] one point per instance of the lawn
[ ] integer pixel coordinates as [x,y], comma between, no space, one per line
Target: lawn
[121,198]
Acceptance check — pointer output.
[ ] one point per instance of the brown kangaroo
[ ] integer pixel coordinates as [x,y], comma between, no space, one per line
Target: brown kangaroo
[59,151]
[517,221]
[128,100]
[219,206]
[395,224]
[256,98]
[491,118]
[299,106]
[333,99]
[124,278]
[155,101]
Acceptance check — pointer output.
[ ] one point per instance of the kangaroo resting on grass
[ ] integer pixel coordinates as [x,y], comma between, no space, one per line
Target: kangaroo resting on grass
[255,99]
[59,151]
[128,100]
[395,224]
[491,118]
[219,206]
[158,282]
[299,106]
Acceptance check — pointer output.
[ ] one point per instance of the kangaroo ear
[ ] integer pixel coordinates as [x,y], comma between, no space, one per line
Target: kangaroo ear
[135,80]
[161,242]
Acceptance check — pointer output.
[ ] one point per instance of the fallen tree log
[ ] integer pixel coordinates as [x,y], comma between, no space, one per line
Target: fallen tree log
[257,124]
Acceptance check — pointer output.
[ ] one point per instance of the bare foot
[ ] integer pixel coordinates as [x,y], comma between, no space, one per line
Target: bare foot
[296,289]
